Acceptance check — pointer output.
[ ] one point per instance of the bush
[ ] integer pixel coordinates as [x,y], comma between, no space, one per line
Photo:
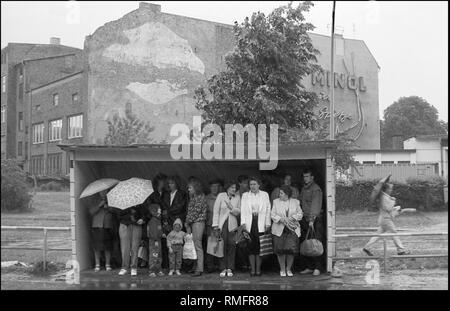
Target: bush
[424,194]
[14,188]
[51,186]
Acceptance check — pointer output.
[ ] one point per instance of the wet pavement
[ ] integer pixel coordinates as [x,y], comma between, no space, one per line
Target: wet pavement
[402,280]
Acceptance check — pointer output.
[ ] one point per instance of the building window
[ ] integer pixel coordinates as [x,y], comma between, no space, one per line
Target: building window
[37,165]
[404,162]
[75,126]
[387,162]
[4,84]
[54,164]
[21,121]
[26,130]
[19,149]
[3,114]
[55,99]
[20,94]
[20,74]
[368,162]
[26,150]
[38,133]
[75,98]
[54,130]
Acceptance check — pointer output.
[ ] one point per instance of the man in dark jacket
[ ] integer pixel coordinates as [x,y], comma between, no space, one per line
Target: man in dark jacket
[311,204]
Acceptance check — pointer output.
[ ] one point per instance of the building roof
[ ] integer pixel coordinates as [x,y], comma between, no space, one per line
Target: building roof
[161,152]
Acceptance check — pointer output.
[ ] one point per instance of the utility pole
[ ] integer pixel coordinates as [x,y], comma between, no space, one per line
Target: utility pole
[332,76]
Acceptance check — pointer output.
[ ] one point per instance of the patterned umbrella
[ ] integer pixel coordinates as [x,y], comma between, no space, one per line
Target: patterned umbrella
[98,185]
[129,193]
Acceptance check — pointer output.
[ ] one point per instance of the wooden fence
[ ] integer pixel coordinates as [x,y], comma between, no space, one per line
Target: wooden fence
[400,172]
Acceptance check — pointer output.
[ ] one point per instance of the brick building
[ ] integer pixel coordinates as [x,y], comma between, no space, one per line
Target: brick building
[41,95]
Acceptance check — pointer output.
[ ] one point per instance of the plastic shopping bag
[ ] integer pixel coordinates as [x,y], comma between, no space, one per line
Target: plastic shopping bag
[189,248]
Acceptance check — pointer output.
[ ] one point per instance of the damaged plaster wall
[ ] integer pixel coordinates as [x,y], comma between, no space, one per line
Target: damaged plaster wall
[152,62]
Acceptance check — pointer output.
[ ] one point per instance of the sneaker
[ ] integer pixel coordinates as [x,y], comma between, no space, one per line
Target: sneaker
[283,273]
[223,273]
[369,253]
[229,272]
[108,268]
[133,272]
[289,273]
[152,274]
[161,273]
[171,272]
[306,271]
[97,269]
[177,272]
[123,271]
[405,252]
[316,272]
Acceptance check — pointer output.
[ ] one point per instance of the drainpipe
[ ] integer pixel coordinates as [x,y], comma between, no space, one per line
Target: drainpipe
[332,75]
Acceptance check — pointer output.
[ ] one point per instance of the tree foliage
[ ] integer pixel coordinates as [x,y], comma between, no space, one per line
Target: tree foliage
[262,80]
[14,188]
[409,117]
[127,130]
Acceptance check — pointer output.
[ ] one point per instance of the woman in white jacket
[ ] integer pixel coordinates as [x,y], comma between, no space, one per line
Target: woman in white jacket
[255,215]
[226,210]
[286,214]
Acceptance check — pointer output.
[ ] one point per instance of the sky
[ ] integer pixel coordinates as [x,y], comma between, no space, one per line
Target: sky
[409,40]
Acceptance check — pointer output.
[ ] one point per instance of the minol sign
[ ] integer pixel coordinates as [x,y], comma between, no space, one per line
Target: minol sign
[341,80]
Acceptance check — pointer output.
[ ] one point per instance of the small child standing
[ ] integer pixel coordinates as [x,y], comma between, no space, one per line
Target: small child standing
[175,241]
[154,230]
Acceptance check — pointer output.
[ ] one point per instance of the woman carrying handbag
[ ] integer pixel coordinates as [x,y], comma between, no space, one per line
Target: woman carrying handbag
[226,210]
[255,215]
[286,214]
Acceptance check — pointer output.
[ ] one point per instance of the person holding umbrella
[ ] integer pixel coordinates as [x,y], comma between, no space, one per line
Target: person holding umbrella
[388,211]
[102,231]
[102,220]
[130,197]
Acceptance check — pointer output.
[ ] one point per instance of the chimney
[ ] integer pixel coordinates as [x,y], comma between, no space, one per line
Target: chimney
[156,8]
[397,142]
[55,41]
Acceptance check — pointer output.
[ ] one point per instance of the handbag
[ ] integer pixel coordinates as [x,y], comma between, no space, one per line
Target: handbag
[311,247]
[215,246]
[265,244]
[189,248]
[242,237]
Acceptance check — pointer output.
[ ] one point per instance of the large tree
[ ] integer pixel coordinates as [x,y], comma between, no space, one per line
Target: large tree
[128,129]
[261,83]
[408,117]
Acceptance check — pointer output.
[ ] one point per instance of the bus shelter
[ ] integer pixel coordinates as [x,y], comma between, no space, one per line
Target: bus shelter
[91,162]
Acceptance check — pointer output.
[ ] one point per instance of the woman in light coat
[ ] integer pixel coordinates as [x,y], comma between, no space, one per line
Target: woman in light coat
[255,215]
[226,210]
[286,214]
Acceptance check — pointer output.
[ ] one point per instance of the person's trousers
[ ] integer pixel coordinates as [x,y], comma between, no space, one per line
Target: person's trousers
[229,245]
[210,260]
[386,226]
[154,255]
[176,256]
[197,236]
[312,262]
[130,239]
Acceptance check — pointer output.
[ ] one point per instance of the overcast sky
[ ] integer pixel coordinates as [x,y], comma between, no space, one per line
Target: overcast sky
[408,39]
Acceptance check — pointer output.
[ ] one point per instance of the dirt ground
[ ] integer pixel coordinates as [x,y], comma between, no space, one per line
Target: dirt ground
[52,209]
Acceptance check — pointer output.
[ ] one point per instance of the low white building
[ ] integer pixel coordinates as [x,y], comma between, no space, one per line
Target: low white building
[425,149]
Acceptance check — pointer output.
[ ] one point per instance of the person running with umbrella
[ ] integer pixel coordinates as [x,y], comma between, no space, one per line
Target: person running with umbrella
[388,211]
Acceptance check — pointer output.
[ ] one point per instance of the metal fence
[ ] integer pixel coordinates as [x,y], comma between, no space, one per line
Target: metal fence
[45,249]
[400,172]
[384,236]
